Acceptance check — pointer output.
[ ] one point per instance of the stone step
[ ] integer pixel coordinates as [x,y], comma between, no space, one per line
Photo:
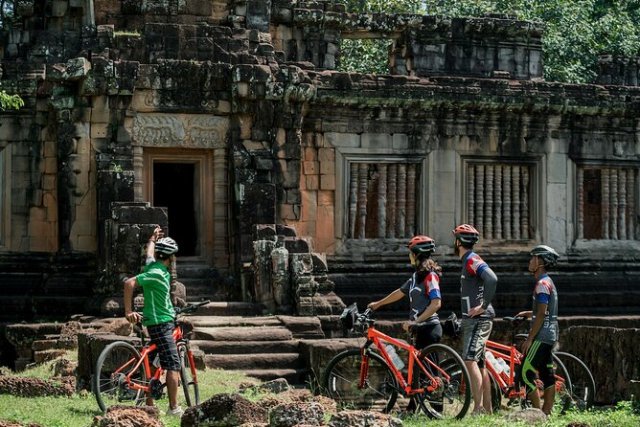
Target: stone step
[253,361]
[229,308]
[190,270]
[293,376]
[246,347]
[257,333]
[231,321]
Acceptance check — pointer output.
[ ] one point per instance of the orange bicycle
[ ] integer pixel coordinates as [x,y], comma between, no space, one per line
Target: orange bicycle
[368,378]
[574,383]
[125,375]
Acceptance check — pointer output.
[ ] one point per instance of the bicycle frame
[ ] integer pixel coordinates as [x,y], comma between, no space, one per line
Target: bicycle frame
[144,360]
[514,357]
[507,382]
[377,338]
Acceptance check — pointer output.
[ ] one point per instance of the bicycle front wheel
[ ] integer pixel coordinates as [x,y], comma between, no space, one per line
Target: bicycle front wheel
[341,382]
[583,387]
[188,376]
[116,379]
[452,397]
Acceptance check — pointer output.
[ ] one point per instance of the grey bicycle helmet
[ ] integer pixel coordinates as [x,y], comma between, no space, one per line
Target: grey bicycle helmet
[166,246]
[548,255]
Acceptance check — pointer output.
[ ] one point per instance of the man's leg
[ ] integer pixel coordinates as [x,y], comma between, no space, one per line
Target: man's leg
[486,391]
[475,376]
[173,380]
[549,397]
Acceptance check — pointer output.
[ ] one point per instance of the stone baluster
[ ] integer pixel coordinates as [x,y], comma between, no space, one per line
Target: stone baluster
[515,197]
[580,203]
[391,199]
[411,199]
[613,206]
[631,206]
[401,202]
[362,199]
[471,195]
[605,203]
[622,204]
[382,200]
[497,203]
[353,199]
[480,198]
[524,213]
[488,205]
[506,202]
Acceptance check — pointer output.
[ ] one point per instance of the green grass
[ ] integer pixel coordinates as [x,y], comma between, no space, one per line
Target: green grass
[79,410]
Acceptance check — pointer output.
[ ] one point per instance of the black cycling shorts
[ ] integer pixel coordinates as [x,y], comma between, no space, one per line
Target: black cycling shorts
[538,363]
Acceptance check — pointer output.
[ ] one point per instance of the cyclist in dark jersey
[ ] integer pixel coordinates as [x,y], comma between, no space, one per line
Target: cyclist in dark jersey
[544,329]
[423,291]
[477,288]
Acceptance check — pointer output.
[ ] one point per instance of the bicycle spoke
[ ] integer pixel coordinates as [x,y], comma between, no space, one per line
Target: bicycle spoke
[342,382]
[115,375]
[448,376]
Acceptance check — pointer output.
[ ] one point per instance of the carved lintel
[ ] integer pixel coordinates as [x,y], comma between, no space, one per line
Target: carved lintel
[170,130]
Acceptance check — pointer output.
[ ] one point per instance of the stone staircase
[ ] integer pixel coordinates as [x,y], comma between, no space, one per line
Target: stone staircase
[262,347]
[202,282]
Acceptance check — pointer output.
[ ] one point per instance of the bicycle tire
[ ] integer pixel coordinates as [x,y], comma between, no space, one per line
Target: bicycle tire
[113,365]
[496,394]
[583,386]
[453,398]
[342,376]
[188,377]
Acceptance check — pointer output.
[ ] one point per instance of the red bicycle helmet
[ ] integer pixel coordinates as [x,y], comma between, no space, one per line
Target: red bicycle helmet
[467,234]
[422,245]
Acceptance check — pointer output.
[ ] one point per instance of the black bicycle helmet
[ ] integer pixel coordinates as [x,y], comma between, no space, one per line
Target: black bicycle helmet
[467,234]
[166,246]
[548,255]
[422,245]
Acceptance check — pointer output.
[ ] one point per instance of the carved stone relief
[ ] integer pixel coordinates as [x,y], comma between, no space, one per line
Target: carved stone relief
[171,130]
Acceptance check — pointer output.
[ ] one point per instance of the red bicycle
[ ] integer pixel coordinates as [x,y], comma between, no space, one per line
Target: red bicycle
[574,383]
[125,375]
[368,378]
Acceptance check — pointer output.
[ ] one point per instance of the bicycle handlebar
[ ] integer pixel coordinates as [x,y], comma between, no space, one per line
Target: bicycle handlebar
[191,307]
[514,320]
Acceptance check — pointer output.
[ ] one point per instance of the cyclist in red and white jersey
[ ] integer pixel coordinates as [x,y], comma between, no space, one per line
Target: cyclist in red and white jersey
[477,288]
[544,330]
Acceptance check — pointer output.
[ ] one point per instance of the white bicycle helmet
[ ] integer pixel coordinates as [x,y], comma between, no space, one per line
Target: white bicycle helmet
[548,255]
[166,246]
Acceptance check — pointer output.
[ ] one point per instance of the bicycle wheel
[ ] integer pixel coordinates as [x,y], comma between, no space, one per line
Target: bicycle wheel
[341,381]
[115,364]
[453,396]
[583,387]
[188,376]
[496,394]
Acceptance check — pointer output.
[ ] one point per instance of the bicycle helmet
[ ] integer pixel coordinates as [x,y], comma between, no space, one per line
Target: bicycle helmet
[166,246]
[422,245]
[467,234]
[548,255]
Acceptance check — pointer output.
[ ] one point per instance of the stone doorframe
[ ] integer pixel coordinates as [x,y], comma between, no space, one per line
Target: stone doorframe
[203,162]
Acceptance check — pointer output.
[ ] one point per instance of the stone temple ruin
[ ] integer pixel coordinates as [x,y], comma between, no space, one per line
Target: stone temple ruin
[293,185]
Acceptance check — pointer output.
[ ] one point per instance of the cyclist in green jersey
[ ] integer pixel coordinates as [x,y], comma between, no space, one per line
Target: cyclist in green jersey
[158,314]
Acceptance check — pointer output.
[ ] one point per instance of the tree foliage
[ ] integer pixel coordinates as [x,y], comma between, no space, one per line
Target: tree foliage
[576,31]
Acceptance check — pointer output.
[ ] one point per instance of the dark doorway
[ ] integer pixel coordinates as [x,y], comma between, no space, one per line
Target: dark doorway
[175,187]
